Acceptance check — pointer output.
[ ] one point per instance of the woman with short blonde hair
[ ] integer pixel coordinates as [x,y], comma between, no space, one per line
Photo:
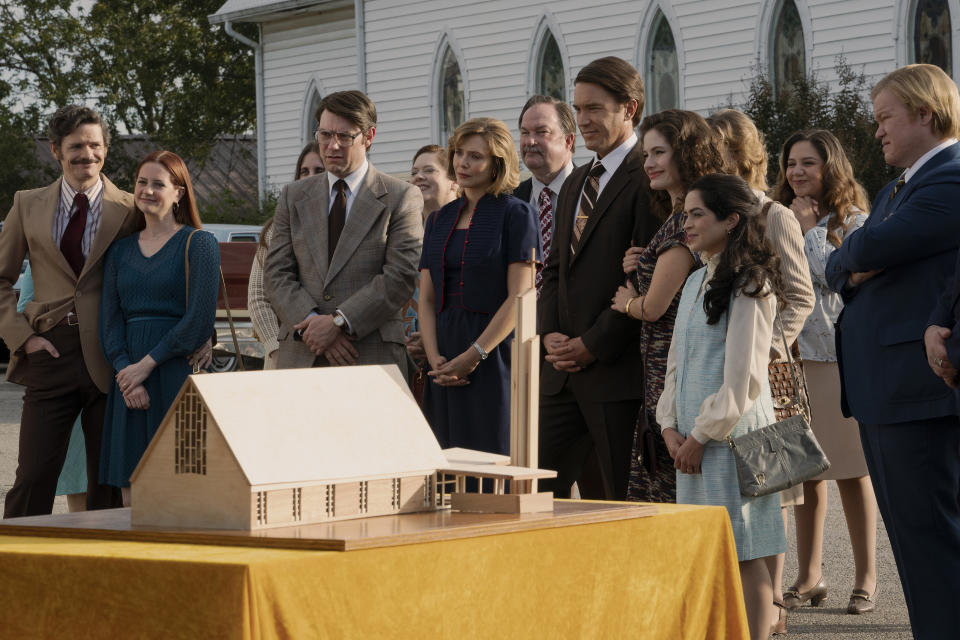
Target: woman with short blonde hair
[476,259]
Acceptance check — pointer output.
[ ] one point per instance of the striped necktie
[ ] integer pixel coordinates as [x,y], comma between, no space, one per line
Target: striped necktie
[546,231]
[587,203]
[900,182]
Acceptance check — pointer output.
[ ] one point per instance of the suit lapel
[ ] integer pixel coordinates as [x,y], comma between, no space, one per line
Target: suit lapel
[917,179]
[312,209]
[112,215]
[46,213]
[566,211]
[618,181]
[364,211]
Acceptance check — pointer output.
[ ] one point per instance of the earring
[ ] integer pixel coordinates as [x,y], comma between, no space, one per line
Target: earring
[176,207]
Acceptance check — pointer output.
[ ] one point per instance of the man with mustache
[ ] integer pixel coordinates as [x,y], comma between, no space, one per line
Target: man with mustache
[547,142]
[65,229]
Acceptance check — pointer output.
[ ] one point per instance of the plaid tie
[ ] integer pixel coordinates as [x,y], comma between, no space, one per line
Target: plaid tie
[546,231]
[587,202]
[900,182]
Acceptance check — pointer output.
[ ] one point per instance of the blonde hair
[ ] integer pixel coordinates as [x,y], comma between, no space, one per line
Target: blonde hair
[506,166]
[745,143]
[925,85]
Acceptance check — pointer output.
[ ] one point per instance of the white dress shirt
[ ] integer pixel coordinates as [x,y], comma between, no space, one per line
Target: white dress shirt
[353,180]
[536,187]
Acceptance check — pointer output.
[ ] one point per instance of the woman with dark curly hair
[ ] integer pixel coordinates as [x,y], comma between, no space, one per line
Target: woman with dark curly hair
[678,148]
[817,182]
[716,384]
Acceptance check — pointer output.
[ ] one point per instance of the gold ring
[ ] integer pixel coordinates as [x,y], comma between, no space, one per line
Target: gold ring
[939,362]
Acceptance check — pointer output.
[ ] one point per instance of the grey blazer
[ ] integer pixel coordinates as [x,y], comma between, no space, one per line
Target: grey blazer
[371,274]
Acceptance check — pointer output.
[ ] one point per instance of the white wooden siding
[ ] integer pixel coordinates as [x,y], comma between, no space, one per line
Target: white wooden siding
[493,39]
[294,53]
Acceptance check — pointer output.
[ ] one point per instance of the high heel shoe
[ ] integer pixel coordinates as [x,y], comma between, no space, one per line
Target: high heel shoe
[779,628]
[861,601]
[793,598]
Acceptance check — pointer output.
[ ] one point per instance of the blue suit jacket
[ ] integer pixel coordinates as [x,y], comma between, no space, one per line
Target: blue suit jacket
[913,238]
[945,314]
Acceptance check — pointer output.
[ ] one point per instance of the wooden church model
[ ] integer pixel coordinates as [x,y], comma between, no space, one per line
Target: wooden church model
[277,448]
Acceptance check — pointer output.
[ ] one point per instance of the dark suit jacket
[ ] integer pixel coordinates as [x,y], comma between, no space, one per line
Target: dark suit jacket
[947,314]
[913,238]
[576,294]
[523,190]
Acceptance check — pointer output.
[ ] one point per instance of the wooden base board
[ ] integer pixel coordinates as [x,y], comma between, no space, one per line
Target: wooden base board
[502,503]
[346,535]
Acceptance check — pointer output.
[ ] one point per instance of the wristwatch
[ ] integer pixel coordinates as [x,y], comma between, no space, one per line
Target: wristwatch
[339,321]
[483,354]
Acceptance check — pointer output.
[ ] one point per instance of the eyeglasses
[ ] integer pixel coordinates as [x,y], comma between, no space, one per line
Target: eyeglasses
[343,139]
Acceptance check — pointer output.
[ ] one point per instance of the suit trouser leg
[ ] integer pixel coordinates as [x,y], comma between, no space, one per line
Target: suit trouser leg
[564,441]
[915,469]
[612,425]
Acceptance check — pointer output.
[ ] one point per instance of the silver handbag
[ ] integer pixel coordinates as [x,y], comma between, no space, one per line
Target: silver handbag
[779,455]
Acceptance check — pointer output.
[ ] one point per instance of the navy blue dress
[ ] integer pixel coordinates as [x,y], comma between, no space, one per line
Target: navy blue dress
[142,310]
[468,268]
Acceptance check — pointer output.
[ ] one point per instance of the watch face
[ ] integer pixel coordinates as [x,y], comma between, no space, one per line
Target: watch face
[338,321]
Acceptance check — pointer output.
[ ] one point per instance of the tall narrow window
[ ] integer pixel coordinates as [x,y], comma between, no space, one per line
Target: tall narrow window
[310,117]
[663,73]
[789,58]
[932,41]
[550,76]
[452,101]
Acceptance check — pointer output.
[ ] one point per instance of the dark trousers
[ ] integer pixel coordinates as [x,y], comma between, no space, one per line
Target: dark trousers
[572,428]
[58,389]
[915,470]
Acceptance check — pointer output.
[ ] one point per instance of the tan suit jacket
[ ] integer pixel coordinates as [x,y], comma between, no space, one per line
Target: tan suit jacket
[371,274]
[28,230]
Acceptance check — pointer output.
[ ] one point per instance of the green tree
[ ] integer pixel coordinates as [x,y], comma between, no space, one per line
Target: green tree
[845,112]
[152,67]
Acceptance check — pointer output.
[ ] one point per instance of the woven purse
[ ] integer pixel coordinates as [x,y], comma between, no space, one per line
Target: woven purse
[784,453]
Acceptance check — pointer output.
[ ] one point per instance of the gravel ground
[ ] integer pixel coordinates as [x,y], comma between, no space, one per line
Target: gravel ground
[829,621]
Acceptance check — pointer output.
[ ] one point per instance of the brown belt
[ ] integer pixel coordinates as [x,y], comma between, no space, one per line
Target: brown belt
[69,320]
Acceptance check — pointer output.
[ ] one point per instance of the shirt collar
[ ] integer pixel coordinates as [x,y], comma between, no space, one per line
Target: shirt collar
[353,180]
[909,173]
[554,186]
[612,161]
[68,193]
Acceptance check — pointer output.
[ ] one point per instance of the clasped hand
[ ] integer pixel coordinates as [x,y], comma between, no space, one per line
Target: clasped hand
[566,353]
[453,373]
[935,345]
[806,211]
[623,295]
[687,453]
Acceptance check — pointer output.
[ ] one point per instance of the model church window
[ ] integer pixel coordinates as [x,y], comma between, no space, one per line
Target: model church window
[550,76]
[452,100]
[663,69]
[788,53]
[932,41]
[190,454]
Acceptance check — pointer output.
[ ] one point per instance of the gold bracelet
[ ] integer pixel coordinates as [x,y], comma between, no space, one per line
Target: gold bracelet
[626,307]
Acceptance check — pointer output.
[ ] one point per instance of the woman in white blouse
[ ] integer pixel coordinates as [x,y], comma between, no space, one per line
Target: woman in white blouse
[817,182]
[716,384]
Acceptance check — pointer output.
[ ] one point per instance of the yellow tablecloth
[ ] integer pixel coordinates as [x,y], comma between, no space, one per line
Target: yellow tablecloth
[671,576]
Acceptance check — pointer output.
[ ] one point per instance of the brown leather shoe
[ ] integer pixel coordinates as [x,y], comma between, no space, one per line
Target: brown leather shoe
[779,628]
[861,602]
[792,598]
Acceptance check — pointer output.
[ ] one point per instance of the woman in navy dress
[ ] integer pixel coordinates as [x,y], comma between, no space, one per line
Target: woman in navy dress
[476,257]
[152,322]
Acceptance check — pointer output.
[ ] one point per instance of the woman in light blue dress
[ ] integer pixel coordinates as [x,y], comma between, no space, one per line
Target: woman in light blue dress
[73,477]
[716,384]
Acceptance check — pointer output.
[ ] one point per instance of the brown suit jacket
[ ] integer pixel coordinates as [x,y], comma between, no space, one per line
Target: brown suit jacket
[28,230]
[577,293]
[371,275]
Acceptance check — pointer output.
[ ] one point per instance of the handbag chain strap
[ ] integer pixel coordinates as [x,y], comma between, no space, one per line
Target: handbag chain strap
[223,290]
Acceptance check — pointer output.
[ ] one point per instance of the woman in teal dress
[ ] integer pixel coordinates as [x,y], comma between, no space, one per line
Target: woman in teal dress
[152,321]
[716,385]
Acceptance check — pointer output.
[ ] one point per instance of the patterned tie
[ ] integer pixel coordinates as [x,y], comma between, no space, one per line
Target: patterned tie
[337,218]
[546,231]
[587,202]
[71,244]
[900,182]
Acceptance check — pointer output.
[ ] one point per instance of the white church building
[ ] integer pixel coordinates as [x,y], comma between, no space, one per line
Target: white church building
[431,64]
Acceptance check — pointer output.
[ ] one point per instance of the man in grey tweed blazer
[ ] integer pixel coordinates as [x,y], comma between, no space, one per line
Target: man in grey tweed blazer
[345,249]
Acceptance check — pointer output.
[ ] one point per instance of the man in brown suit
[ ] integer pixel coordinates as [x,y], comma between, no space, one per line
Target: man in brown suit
[65,229]
[346,245]
[592,382]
